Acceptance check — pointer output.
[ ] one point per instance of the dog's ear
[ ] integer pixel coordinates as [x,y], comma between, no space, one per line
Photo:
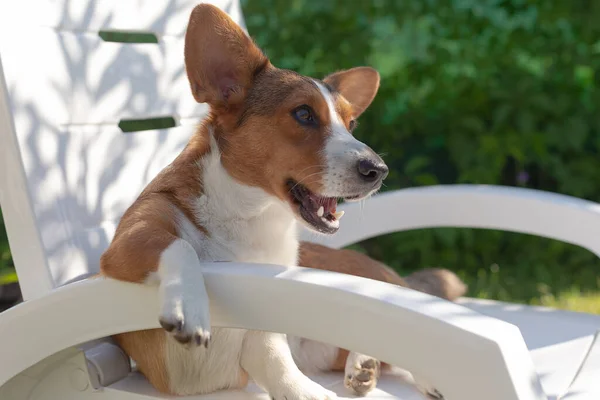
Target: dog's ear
[358,85]
[220,59]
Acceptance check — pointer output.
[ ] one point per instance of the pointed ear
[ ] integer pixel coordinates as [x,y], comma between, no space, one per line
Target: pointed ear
[358,85]
[220,59]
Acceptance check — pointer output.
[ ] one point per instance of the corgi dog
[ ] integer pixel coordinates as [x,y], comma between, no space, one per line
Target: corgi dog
[276,150]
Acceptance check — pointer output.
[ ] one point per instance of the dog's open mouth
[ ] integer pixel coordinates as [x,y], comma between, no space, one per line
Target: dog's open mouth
[318,211]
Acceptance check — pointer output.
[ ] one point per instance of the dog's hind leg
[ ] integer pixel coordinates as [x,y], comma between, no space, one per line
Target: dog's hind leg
[267,358]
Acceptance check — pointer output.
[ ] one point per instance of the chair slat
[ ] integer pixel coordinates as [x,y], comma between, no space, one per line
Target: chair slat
[78,78]
[86,176]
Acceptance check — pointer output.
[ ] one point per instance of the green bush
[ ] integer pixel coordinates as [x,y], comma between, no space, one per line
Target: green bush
[6,265]
[472,91]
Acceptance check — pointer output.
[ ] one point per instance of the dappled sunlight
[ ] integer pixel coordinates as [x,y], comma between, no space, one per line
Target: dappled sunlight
[82,170]
[533,320]
[419,303]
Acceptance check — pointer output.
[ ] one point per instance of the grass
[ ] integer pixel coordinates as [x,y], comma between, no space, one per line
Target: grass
[7,271]
[568,296]
[8,276]
[573,300]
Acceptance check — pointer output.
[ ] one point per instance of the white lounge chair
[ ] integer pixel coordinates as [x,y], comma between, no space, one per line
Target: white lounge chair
[67,172]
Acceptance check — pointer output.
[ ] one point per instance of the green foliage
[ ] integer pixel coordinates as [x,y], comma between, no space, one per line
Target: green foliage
[473,91]
[6,265]
[495,92]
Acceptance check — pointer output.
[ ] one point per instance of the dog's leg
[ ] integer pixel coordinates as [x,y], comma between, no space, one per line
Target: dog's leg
[361,373]
[183,298]
[267,358]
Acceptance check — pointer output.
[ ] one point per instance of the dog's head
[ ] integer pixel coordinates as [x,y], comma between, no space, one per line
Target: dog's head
[288,134]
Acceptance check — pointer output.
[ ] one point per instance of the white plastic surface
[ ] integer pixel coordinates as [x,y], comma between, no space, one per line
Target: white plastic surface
[68,171]
[389,387]
[162,17]
[535,212]
[108,362]
[421,333]
[88,81]
[558,342]
[17,207]
[585,384]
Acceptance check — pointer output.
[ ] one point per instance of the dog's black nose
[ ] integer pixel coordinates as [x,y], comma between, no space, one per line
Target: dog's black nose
[372,171]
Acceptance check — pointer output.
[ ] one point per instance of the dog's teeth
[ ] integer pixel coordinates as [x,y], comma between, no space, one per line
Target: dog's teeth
[324,219]
[320,211]
[338,215]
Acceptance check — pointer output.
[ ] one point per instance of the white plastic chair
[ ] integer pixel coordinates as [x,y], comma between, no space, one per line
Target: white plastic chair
[68,172]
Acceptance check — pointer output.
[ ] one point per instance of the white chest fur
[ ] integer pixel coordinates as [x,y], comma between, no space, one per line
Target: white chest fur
[244,224]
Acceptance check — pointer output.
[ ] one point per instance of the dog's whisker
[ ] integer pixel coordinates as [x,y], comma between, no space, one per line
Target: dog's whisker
[303,181]
[312,166]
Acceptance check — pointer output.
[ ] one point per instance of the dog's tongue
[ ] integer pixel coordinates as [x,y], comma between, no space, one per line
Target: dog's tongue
[329,204]
[324,207]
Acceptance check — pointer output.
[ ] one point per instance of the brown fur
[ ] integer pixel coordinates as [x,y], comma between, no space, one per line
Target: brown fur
[269,147]
[148,226]
[148,349]
[357,91]
[437,282]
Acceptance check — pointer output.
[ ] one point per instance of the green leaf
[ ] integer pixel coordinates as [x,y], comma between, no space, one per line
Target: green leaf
[8,277]
[416,164]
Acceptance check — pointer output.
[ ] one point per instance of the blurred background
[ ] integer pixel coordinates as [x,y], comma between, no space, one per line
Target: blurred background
[473,91]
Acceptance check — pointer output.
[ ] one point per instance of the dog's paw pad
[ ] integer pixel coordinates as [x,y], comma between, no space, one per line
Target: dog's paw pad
[171,324]
[364,377]
[185,335]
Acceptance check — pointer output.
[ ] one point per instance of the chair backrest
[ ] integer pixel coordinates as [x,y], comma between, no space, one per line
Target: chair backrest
[68,93]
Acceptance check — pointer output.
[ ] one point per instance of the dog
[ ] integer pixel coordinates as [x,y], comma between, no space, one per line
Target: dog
[275,151]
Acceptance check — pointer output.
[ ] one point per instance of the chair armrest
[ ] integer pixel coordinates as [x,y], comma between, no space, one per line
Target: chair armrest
[565,218]
[466,355]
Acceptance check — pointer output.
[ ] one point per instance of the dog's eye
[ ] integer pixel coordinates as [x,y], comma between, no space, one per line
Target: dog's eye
[304,115]
[351,125]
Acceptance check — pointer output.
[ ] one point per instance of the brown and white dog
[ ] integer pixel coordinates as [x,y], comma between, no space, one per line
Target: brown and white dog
[276,149]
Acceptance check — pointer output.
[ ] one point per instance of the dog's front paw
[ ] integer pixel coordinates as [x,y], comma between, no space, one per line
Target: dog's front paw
[189,328]
[361,377]
[302,389]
